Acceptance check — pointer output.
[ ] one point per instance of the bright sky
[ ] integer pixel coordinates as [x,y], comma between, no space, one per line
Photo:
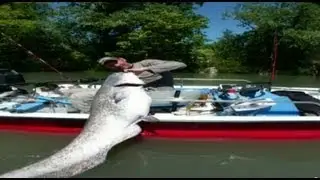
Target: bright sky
[214,11]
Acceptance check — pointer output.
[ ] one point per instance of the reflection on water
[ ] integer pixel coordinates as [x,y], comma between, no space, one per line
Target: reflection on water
[19,149]
[176,158]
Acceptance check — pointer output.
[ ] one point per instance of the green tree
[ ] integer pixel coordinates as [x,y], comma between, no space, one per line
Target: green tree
[138,30]
[31,25]
[297,27]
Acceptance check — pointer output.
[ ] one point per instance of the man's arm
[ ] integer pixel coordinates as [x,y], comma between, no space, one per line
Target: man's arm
[159,66]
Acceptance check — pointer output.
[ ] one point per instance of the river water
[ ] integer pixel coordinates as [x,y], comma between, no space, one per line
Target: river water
[177,158]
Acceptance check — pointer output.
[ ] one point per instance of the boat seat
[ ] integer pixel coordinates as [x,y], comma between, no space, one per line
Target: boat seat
[81,98]
[159,96]
[301,96]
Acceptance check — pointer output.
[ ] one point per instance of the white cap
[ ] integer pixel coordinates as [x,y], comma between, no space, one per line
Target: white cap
[105,59]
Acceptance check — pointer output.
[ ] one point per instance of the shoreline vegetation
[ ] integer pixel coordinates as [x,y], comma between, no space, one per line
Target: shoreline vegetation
[72,36]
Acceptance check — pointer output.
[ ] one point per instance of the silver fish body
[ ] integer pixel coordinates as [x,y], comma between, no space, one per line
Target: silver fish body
[116,109]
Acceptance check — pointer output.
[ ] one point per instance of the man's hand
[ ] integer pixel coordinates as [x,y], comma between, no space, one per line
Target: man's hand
[136,70]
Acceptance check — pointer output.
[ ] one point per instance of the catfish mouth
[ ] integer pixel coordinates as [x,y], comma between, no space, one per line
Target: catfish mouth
[128,85]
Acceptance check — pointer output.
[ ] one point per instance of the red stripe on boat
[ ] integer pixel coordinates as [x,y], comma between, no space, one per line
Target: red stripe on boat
[181,130]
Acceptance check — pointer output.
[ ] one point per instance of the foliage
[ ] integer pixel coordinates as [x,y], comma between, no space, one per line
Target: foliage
[297,27]
[137,31]
[72,36]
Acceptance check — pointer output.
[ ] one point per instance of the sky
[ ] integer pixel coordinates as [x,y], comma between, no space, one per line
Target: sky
[214,11]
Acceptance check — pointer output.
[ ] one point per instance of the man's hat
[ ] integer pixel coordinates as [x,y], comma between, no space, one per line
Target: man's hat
[103,60]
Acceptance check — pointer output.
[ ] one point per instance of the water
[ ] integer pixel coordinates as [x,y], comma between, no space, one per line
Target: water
[280,80]
[177,158]
[163,158]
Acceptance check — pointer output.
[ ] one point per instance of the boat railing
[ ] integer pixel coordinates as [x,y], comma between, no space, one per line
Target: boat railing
[177,100]
[308,89]
[210,79]
[306,102]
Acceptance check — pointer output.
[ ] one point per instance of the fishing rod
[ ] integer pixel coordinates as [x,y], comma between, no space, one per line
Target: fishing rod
[275,56]
[36,57]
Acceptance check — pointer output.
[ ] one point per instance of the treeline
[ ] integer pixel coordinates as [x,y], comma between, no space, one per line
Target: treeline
[72,36]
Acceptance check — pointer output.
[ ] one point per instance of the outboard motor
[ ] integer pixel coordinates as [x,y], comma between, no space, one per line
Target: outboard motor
[10,77]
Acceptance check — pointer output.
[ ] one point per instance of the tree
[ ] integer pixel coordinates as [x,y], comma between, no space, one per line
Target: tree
[19,20]
[31,25]
[139,30]
[297,26]
[74,35]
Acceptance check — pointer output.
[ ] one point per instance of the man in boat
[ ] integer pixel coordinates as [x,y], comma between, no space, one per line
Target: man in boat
[155,73]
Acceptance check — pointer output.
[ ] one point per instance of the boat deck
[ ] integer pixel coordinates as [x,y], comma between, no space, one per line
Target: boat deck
[261,105]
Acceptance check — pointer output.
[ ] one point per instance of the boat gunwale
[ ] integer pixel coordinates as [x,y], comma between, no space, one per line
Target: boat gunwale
[166,117]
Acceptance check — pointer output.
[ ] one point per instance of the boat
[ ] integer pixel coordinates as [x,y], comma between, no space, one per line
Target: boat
[226,111]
